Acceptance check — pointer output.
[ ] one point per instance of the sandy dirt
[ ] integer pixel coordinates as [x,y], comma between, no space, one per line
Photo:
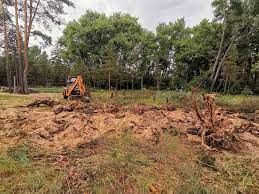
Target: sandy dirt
[63,127]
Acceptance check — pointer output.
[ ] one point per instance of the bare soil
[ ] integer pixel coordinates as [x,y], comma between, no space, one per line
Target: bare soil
[71,124]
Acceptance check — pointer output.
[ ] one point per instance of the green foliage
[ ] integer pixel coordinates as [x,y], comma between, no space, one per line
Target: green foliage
[175,56]
[247,91]
[19,154]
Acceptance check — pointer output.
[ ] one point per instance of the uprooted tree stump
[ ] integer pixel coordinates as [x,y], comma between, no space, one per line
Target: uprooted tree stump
[47,102]
[212,134]
[211,138]
[70,107]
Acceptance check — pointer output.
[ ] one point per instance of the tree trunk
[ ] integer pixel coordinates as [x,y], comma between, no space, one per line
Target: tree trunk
[14,51]
[132,83]
[219,51]
[14,84]
[226,80]
[25,50]
[255,80]
[226,84]
[32,14]
[18,41]
[158,83]
[142,83]
[109,80]
[94,83]
[8,71]
[220,65]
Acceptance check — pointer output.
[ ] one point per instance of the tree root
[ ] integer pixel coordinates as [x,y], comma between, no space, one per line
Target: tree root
[211,138]
[47,102]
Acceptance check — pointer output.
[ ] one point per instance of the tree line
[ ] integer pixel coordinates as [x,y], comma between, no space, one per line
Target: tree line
[20,20]
[117,52]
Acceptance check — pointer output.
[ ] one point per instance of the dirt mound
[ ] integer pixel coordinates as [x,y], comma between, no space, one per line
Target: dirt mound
[71,124]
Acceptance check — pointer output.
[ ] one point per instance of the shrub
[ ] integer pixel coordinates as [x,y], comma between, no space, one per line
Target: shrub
[247,91]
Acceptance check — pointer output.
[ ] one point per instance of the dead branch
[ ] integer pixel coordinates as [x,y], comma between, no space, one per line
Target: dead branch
[196,107]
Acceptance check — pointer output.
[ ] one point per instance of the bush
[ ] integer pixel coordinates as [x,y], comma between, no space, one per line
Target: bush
[247,91]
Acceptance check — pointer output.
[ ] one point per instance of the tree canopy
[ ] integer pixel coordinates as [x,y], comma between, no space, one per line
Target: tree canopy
[116,51]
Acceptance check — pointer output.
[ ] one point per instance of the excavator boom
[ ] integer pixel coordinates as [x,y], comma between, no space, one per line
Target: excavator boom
[75,88]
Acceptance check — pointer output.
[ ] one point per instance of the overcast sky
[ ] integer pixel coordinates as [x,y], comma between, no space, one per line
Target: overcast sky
[149,12]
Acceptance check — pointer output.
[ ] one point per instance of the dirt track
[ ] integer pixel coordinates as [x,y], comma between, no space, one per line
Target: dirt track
[70,125]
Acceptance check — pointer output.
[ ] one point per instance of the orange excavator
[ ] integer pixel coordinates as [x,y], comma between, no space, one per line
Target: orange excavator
[76,89]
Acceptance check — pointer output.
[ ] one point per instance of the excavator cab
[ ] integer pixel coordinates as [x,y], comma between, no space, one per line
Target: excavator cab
[75,89]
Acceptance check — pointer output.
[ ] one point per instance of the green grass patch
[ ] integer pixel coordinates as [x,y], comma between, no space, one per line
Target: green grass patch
[49,90]
[121,168]
[239,175]
[147,97]
[126,164]
[11,100]
[19,173]
[239,103]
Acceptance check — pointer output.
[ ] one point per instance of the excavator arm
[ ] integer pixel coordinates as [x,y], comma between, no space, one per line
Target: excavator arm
[78,86]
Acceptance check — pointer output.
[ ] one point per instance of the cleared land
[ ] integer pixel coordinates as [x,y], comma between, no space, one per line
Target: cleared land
[135,142]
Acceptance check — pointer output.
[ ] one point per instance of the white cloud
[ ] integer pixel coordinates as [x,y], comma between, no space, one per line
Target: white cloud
[149,12]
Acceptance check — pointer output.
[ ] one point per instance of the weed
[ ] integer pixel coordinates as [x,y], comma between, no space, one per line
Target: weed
[19,154]
[20,174]
[206,160]
[194,186]
[239,175]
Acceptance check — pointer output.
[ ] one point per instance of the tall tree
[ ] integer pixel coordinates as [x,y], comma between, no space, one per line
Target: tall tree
[19,47]
[25,47]
[240,29]
[5,29]
[45,13]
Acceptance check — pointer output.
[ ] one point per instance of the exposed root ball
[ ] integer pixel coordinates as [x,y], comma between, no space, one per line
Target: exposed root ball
[47,102]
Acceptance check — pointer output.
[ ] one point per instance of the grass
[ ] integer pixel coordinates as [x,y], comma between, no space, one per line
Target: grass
[118,168]
[239,174]
[49,90]
[129,165]
[11,100]
[21,173]
[237,103]
[125,164]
